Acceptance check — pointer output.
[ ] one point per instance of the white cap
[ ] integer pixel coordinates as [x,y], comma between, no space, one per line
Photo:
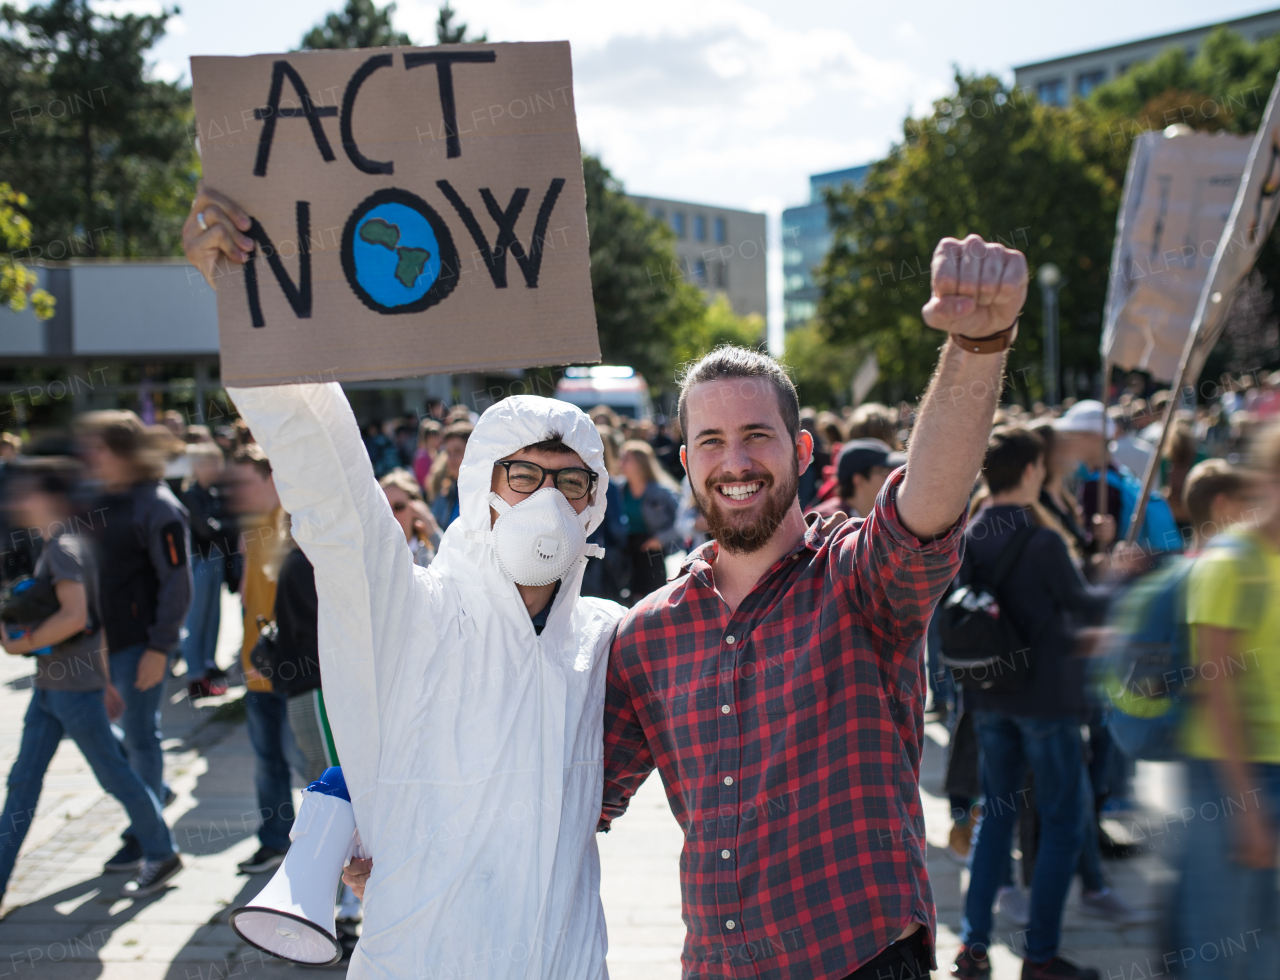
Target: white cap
[1085,416]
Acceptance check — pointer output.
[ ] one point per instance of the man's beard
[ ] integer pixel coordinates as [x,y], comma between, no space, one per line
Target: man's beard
[744,539]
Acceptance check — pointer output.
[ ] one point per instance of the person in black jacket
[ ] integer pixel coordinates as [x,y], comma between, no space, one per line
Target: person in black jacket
[213,539]
[141,539]
[1038,727]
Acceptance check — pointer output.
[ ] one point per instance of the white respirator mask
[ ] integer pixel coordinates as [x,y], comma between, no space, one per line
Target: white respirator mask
[539,539]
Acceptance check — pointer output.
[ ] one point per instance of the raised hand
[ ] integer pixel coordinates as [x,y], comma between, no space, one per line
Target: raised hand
[221,236]
[978,288]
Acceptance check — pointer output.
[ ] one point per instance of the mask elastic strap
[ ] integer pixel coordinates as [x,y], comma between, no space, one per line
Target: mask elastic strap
[485,536]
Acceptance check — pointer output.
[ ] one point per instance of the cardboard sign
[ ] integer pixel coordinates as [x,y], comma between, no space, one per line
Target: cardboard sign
[1178,193]
[416,211]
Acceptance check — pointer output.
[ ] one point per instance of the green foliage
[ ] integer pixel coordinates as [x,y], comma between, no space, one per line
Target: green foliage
[360,24]
[446,33]
[822,371]
[640,307]
[1225,86]
[105,153]
[991,162]
[17,282]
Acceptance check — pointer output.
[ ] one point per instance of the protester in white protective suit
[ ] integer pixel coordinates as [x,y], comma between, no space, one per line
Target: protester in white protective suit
[471,742]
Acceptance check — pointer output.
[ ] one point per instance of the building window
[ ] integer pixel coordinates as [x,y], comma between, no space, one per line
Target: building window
[800,310]
[1087,81]
[722,275]
[700,227]
[677,223]
[660,214]
[1053,91]
[797,282]
[721,237]
[1122,68]
[700,273]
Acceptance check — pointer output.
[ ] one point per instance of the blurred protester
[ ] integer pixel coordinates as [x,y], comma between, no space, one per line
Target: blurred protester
[442,488]
[872,420]
[406,441]
[1181,453]
[73,692]
[1081,431]
[1057,501]
[605,577]
[1036,728]
[666,446]
[197,434]
[213,538]
[812,477]
[264,541]
[144,584]
[1129,448]
[690,521]
[381,448]
[1227,906]
[430,434]
[861,469]
[604,415]
[831,430]
[415,518]
[172,451]
[18,552]
[225,438]
[649,500]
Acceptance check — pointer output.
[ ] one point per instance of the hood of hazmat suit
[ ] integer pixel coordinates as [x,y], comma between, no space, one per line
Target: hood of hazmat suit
[472,746]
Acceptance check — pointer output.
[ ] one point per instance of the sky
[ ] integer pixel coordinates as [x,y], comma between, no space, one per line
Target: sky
[730,102]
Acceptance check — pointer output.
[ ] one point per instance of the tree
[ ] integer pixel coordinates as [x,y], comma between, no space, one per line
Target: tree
[104,152]
[17,282]
[643,303]
[988,161]
[446,33]
[359,25]
[822,371]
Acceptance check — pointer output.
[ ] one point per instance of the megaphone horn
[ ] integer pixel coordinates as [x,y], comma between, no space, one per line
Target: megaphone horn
[293,917]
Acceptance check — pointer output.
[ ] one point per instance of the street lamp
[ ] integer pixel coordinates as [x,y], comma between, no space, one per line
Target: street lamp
[1049,276]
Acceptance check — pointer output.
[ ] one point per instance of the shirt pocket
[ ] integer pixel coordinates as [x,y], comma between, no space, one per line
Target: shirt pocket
[790,680]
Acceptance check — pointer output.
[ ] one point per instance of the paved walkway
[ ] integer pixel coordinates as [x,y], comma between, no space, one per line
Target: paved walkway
[65,922]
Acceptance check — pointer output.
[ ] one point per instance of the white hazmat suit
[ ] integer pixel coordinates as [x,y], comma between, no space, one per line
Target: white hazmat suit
[471,746]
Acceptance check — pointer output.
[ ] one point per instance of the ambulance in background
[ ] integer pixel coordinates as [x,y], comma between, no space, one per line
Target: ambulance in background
[620,388]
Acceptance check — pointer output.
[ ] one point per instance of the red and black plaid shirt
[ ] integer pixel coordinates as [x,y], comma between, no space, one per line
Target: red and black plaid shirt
[788,735]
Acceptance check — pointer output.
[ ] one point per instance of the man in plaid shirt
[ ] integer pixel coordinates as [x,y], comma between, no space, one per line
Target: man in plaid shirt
[777,684]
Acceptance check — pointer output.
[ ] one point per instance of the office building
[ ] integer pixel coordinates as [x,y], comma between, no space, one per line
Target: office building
[1055,81]
[720,250]
[806,239]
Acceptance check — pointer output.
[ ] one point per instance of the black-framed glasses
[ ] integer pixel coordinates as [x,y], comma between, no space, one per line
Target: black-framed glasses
[575,482]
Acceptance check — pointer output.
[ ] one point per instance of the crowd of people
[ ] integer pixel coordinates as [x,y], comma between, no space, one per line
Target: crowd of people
[121,539]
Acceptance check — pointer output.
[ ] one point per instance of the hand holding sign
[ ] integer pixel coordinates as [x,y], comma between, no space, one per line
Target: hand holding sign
[978,289]
[214,231]
[397,212]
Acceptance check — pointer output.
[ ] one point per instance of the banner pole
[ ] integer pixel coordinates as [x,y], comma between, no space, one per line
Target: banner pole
[1153,464]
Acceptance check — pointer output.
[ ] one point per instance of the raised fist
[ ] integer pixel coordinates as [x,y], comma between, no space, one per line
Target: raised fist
[978,288]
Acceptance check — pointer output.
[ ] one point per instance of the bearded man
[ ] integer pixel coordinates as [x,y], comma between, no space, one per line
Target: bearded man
[777,683]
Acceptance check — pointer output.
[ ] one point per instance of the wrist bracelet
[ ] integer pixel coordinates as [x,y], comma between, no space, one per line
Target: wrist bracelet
[991,344]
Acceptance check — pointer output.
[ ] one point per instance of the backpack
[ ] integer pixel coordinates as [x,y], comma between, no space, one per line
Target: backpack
[1148,662]
[980,646]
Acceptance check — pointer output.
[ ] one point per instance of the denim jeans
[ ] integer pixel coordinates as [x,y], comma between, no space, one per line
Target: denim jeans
[274,752]
[141,721]
[1053,750]
[1227,912]
[205,615]
[83,716]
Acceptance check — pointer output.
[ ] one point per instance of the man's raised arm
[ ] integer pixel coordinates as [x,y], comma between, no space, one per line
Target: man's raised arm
[978,292]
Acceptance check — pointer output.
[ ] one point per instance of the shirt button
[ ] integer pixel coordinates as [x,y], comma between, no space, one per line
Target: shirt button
[724,709]
[731,639]
[728,780]
[725,855]
[730,924]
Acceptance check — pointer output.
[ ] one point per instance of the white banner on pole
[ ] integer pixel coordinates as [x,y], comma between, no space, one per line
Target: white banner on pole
[1178,193]
[1252,217]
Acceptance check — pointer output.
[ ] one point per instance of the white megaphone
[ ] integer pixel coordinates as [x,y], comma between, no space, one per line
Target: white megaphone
[293,917]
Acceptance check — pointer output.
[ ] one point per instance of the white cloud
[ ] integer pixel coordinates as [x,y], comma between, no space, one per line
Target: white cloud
[715,100]
[166,71]
[176,25]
